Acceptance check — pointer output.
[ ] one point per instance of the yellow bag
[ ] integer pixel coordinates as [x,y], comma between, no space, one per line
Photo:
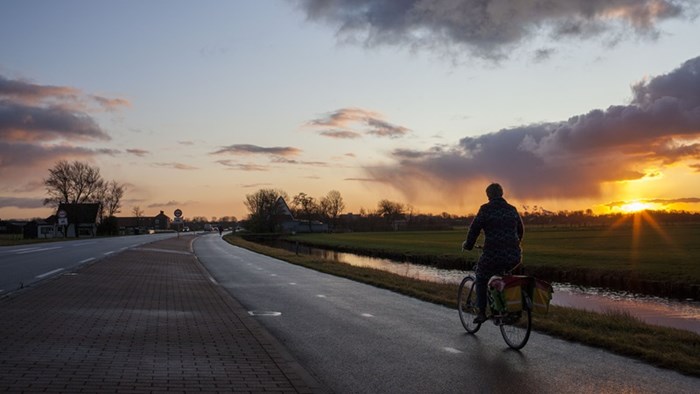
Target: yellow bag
[507,292]
[541,296]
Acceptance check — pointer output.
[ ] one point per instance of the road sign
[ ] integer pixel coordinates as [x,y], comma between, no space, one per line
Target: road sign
[62,213]
[177,220]
[178,213]
[62,221]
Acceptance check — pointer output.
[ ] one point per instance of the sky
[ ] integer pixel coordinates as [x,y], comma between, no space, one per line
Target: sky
[569,104]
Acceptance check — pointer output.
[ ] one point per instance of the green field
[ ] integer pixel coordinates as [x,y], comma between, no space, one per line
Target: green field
[655,253]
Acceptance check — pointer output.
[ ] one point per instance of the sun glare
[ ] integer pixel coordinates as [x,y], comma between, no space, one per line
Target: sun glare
[635,206]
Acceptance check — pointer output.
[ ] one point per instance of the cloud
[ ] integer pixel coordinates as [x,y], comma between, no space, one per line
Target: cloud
[159,205]
[138,152]
[660,201]
[20,202]
[242,166]
[489,29]
[252,185]
[111,104]
[17,160]
[187,143]
[283,160]
[20,122]
[176,166]
[568,159]
[41,124]
[244,149]
[337,124]
[340,134]
[27,92]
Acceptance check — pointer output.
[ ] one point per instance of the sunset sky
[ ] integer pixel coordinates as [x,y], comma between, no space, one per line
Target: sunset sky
[569,104]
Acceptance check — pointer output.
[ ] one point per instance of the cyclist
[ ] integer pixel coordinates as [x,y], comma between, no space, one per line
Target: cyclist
[503,231]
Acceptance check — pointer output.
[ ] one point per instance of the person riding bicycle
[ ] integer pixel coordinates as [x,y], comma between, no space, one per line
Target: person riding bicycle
[503,232]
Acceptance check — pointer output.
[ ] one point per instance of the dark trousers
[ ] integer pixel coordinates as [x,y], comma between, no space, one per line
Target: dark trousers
[485,269]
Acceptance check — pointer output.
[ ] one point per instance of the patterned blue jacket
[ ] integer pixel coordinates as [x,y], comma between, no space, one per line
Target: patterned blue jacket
[503,231]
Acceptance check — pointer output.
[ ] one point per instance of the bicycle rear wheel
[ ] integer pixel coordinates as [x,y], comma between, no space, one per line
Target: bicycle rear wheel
[515,326]
[466,305]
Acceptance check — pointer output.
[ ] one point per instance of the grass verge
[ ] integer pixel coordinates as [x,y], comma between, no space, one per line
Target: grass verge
[616,332]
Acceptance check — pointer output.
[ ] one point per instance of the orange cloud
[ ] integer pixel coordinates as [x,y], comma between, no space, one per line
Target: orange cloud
[369,122]
[569,159]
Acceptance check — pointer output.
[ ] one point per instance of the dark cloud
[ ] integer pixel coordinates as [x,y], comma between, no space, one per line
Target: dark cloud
[245,149]
[489,28]
[20,122]
[27,92]
[569,159]
[369,122]
[16,156]
[20,202]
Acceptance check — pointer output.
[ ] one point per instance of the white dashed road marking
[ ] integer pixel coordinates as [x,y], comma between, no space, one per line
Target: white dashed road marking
[452,350]
[87,260]
[49,273]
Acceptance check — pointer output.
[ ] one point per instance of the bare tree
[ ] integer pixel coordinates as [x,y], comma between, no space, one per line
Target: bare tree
[110,197]
[332,205]
[137,211]
[306,206]
[390,210]
[74,183]
[262,207]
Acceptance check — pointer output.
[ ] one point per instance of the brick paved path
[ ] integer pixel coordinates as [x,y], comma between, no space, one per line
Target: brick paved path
[145,320]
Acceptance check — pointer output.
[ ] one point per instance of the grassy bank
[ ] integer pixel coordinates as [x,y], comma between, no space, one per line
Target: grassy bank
[619,333]
[653,259]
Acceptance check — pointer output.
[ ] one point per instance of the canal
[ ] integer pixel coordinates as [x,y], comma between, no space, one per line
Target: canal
[684,315]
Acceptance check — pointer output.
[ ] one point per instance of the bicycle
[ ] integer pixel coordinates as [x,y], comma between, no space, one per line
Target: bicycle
[515,326]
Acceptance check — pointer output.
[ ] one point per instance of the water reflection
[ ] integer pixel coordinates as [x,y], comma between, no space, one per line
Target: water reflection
[653,310]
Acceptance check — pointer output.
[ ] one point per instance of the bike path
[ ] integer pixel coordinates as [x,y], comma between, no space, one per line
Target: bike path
[149,319]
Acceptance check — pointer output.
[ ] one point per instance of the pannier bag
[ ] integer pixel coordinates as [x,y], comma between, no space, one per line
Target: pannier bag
[541,296]
[506,292]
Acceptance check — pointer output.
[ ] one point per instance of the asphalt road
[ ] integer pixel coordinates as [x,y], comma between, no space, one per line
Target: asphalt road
[358,338]
[23,265]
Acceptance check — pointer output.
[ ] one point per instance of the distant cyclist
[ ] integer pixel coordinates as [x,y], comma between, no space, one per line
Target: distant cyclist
[503,231]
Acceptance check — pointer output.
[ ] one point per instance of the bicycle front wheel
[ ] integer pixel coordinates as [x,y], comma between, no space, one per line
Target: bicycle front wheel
[466,305]
[516,326]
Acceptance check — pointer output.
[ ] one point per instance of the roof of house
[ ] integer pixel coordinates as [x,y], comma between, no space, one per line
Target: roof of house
[80,213]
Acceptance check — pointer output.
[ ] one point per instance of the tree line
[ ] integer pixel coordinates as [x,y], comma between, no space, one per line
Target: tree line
[394,216]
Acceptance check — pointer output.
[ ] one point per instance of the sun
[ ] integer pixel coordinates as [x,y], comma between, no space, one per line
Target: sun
[635,206]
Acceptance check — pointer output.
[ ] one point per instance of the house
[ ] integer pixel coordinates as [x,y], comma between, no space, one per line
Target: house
[77,220]
[41,228]
[143,224]
[135,224]
[286,223]
[161,221]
